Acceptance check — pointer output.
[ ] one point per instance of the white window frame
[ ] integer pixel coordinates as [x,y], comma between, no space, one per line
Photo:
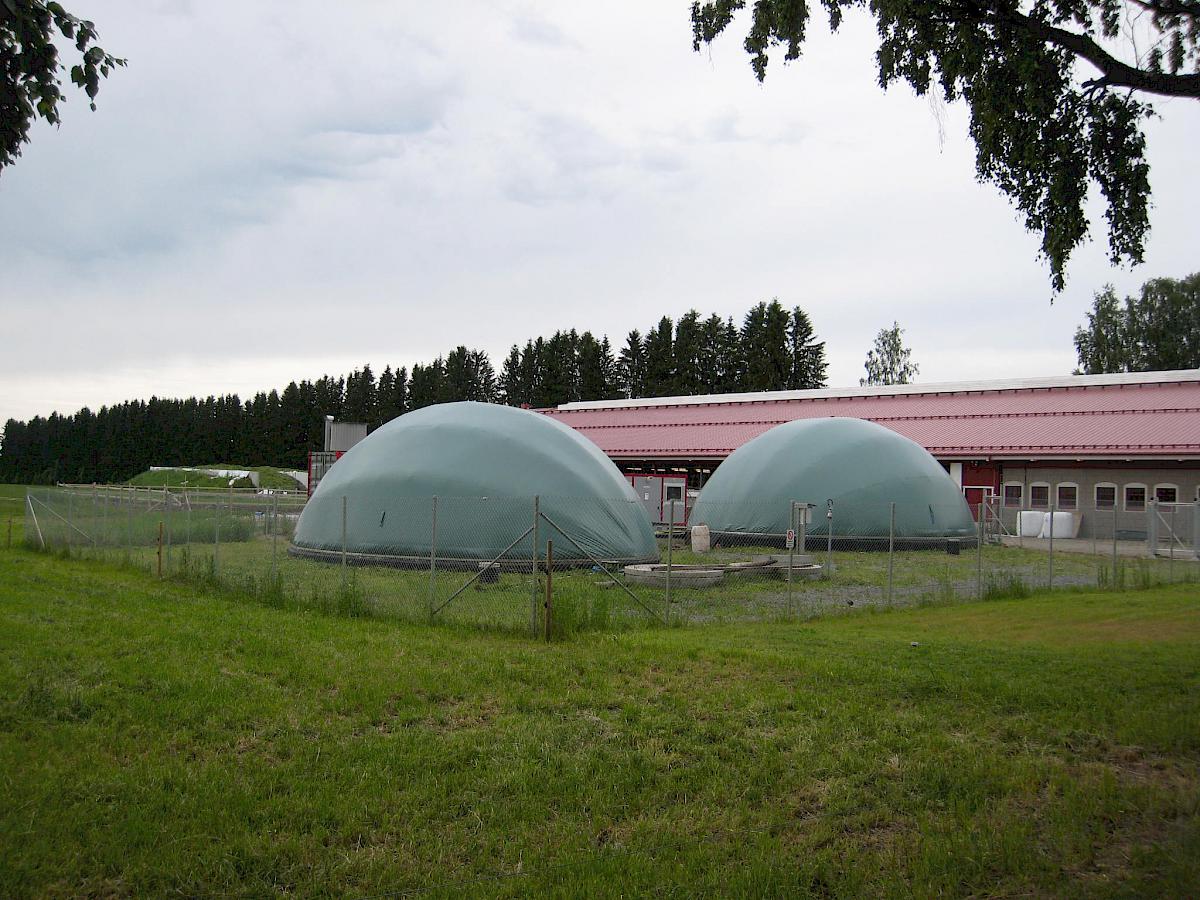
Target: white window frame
[1165,484]
[1049,493]
[1020,504]
[1096,495]
[1125,496]
[1058,499]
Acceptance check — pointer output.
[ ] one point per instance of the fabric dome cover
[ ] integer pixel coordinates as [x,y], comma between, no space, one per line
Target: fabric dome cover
[863,467]
[485,463]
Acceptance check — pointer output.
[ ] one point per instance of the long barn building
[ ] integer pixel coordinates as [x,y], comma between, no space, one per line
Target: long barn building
[1107,444]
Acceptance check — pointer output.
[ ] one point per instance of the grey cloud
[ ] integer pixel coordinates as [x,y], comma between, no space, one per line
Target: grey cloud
[536,30]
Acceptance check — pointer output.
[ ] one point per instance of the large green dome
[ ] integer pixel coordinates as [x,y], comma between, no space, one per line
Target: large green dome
[485,463]
[861,466]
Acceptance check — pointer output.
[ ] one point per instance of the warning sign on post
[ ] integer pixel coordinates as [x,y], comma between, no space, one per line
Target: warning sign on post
[791,538]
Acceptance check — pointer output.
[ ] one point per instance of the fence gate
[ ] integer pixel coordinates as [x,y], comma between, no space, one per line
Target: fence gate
[1173,530]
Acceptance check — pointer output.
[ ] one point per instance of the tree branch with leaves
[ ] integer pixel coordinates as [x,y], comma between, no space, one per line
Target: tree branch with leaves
[30,68]
[1043,134]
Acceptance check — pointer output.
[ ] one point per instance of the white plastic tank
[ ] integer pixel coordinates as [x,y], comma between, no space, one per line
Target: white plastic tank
[1065,525]
[1029,524]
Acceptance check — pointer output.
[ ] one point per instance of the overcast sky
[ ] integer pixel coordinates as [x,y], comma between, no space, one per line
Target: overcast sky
[274,191]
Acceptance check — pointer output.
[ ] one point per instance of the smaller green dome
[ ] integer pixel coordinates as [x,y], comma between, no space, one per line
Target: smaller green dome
[861,466]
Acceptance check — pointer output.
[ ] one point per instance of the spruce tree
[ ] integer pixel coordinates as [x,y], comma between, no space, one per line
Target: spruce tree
[510,379]
[593,384]
[766,348]
[689,344]
[808,354]
[660,359]
[631,366]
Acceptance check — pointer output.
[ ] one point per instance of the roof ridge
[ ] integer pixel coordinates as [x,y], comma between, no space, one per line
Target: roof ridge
[1046,383]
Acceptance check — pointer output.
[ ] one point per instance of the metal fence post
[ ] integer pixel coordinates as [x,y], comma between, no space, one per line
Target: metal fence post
[345,503]
[791,556]
[891,550]
[533,615]
[1053,509]
[1196,529]
[274,533]
[217,540]
[1114,552]
[432,556]
[70,515]
[1151,528]
[829,539]
[670,541]
[167,517]
[979,554]
[549,586]
[1171,558]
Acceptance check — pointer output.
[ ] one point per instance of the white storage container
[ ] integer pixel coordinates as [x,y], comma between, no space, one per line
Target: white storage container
[1065,525]
[1029,523]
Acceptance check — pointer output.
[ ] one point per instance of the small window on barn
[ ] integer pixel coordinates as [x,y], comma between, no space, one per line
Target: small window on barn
[1039,496]
[1135,496]
[1068,496]
[1014,493]
[674,492]
[1166,493]
[1106,496]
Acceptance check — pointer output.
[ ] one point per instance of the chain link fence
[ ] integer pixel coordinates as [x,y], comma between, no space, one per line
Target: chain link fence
[548,566]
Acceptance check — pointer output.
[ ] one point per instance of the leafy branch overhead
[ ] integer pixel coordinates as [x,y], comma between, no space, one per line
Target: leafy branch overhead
[30,69]
[1043,133]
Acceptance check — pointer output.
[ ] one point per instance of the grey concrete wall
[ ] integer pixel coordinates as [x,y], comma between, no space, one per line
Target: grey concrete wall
[1099,523]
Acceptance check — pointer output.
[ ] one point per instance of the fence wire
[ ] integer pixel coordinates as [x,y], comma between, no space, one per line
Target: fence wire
[554,565]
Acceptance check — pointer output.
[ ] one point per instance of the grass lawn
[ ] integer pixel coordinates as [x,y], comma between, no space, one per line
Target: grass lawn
[155,739]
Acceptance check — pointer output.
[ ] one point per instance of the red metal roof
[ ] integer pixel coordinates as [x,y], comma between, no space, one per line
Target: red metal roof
[1087,420]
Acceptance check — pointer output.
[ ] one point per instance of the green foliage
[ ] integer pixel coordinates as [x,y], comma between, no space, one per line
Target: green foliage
[1159,330]
[30,69]
[889,361]
[1042,136]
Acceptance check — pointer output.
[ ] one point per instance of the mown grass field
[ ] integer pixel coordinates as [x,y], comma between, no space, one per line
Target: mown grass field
[156,739]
